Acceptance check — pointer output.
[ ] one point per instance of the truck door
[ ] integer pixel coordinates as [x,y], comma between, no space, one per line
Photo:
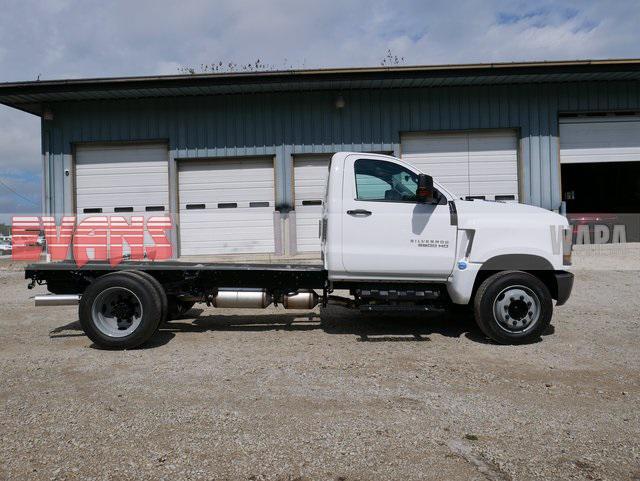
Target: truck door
[385,231]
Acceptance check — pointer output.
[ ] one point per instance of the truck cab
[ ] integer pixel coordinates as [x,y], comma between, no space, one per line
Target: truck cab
[376,227]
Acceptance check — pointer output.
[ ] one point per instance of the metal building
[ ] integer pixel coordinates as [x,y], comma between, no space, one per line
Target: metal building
[239,159]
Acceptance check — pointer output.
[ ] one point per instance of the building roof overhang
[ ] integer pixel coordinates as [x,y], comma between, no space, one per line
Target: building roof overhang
[35,96]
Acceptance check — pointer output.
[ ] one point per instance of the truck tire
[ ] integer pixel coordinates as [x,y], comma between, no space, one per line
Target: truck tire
[120,310]
[177,307]
[159,289]
[513,307]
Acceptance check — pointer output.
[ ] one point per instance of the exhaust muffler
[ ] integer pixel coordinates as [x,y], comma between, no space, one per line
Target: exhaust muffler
[300,300]
[242,298]
[259,299]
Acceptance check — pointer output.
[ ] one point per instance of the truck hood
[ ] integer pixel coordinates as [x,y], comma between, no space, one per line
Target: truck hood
[506,229]
[475,213]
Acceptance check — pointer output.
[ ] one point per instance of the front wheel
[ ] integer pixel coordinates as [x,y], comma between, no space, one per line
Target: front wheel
[513,307]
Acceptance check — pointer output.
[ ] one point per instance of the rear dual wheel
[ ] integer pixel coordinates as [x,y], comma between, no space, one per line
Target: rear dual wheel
[122,310]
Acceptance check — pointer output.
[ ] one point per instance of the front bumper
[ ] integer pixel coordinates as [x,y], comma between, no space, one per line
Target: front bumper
[564,281]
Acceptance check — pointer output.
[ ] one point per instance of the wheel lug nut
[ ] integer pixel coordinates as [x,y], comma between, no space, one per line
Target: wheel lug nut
[506,317]
[529,304]
[522,298]
[515,323]
[530,313]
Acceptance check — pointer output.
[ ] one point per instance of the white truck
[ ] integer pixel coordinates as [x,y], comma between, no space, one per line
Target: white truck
[391,236]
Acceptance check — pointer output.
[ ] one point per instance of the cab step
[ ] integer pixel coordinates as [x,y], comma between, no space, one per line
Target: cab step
[394,295]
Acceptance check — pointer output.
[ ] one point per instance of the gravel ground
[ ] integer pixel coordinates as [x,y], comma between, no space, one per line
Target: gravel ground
[330,395]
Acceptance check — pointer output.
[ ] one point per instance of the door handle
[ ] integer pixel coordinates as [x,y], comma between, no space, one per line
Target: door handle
[359,213]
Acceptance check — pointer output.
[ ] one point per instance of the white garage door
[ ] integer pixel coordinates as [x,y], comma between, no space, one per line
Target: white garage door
[482,164]
[121,179]
[599,139]
[310,179]
[226,206]
[124,179]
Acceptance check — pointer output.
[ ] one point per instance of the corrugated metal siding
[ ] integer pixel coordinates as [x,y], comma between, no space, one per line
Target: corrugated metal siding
[283,124]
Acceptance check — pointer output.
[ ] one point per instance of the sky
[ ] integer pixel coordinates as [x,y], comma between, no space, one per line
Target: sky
[53,39]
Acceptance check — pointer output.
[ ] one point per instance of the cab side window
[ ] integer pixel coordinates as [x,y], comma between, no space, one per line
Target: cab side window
[379,180]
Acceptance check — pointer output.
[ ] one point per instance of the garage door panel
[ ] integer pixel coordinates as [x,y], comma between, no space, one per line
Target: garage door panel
[198,183]
[238,228]
[110,177]
[453,175]
[258,179]
[458,188]
[234,240]
[223,220]
[138,202]
[493,167]
[443,156]
[437,144]
[492,156]
[310,177]
[307,230]
[243,187]
[226,246]
[487,179]
[227,170]
[235,237]
[437,157]
[493,188]
[105,200]
[494,171]
[436,161]
[440,167]
[243,199]
[120,172]
[453,170]
[590,155]
[493,164]
[467,163]
[309,191]
[257,234]
[212,247]
[126,175]
[599,139]
[492,142]
[122,162]
[123,179]
[231,245]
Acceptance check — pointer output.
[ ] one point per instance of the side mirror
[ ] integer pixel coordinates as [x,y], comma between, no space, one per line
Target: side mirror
[425,193]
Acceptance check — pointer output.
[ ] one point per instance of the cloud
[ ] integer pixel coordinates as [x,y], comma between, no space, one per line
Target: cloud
[91,38]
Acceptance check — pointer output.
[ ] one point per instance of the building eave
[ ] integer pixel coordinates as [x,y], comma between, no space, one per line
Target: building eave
[33,96]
